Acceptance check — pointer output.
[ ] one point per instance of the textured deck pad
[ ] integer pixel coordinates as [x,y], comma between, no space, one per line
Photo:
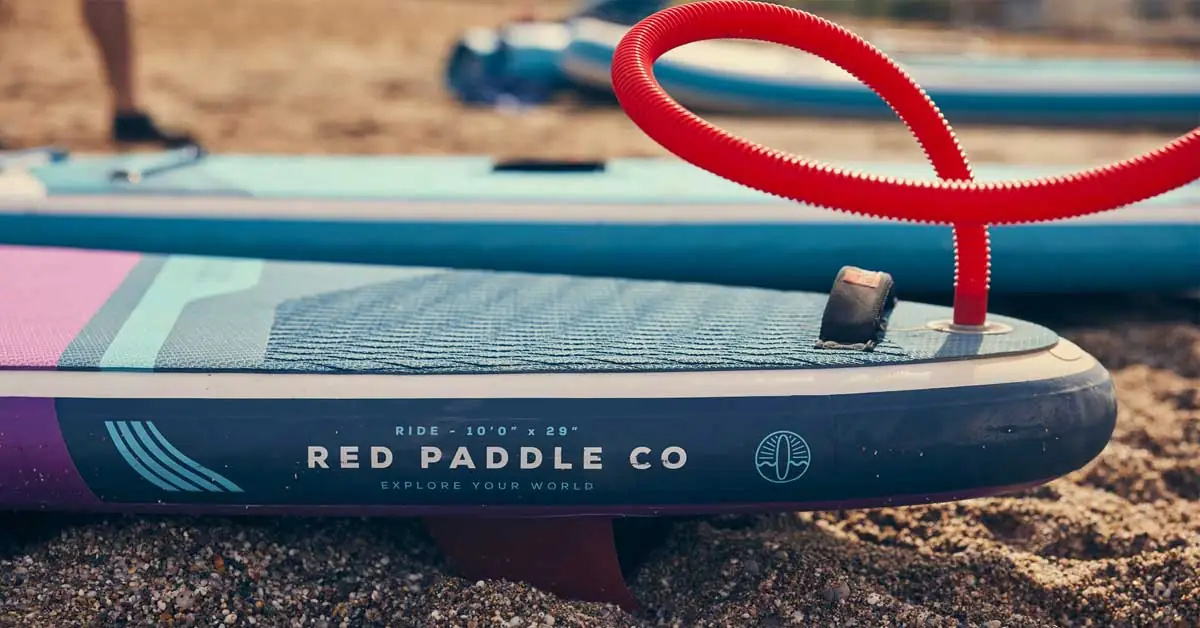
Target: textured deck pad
[210,314]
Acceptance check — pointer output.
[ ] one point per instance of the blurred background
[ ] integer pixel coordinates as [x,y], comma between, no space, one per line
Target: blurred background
[366,76]
[1101,22]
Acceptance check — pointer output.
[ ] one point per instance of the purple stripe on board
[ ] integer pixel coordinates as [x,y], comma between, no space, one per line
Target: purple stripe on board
[36,469]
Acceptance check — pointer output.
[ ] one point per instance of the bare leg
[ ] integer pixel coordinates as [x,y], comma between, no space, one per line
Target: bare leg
[108,21]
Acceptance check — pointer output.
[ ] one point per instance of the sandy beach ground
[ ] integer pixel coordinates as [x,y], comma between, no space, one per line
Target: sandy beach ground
[1115,544]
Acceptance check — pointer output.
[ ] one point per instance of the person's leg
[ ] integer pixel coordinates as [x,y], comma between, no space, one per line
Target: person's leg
[108,23]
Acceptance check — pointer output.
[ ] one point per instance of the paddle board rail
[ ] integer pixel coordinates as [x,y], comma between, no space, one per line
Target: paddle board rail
[609,452]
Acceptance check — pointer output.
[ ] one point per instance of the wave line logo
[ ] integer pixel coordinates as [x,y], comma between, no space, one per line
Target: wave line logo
[158,461]
[782,457]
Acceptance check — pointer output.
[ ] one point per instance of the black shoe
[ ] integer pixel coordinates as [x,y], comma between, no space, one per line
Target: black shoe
[139,128]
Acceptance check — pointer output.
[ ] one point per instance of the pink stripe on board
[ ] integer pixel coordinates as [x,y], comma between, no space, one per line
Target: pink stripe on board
[47,296]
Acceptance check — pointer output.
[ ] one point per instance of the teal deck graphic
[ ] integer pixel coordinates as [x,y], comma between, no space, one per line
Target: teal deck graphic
[181,281]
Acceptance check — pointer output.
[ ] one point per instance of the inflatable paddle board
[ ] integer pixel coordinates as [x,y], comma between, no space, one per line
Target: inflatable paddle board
[514,64]
[518,62]
[180,381]
[140,383]
[739,77]
[633,218]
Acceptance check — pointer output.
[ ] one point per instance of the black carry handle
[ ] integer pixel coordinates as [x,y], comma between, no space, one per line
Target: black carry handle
[182,158]
[857,312]
[548,165]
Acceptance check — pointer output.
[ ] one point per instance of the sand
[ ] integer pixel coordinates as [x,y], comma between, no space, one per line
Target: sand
[1115,544]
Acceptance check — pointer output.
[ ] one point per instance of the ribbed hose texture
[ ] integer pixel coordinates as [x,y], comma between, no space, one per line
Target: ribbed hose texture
[957,199]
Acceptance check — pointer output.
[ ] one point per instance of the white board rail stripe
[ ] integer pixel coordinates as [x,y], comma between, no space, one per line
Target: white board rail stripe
[1063,360]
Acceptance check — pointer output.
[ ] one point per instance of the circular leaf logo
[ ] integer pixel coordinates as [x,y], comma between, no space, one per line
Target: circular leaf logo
[782,457]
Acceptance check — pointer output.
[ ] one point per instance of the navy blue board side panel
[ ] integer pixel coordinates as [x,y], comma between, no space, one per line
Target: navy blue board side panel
[1085,258]
[784,450]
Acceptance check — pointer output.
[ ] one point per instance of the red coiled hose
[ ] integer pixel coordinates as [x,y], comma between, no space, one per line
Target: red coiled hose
[956,200]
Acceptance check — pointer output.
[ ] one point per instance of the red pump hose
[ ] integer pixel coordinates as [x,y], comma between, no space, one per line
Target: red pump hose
[956,200]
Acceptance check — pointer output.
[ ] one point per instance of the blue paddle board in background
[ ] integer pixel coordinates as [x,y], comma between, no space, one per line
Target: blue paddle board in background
[514,64]
[632,218]
[737,77]
[527,62]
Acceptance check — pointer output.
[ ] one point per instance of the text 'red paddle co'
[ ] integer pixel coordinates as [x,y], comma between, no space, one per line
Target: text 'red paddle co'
[957,200]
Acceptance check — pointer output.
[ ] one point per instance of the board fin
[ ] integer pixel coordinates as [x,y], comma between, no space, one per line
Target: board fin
[572,557]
